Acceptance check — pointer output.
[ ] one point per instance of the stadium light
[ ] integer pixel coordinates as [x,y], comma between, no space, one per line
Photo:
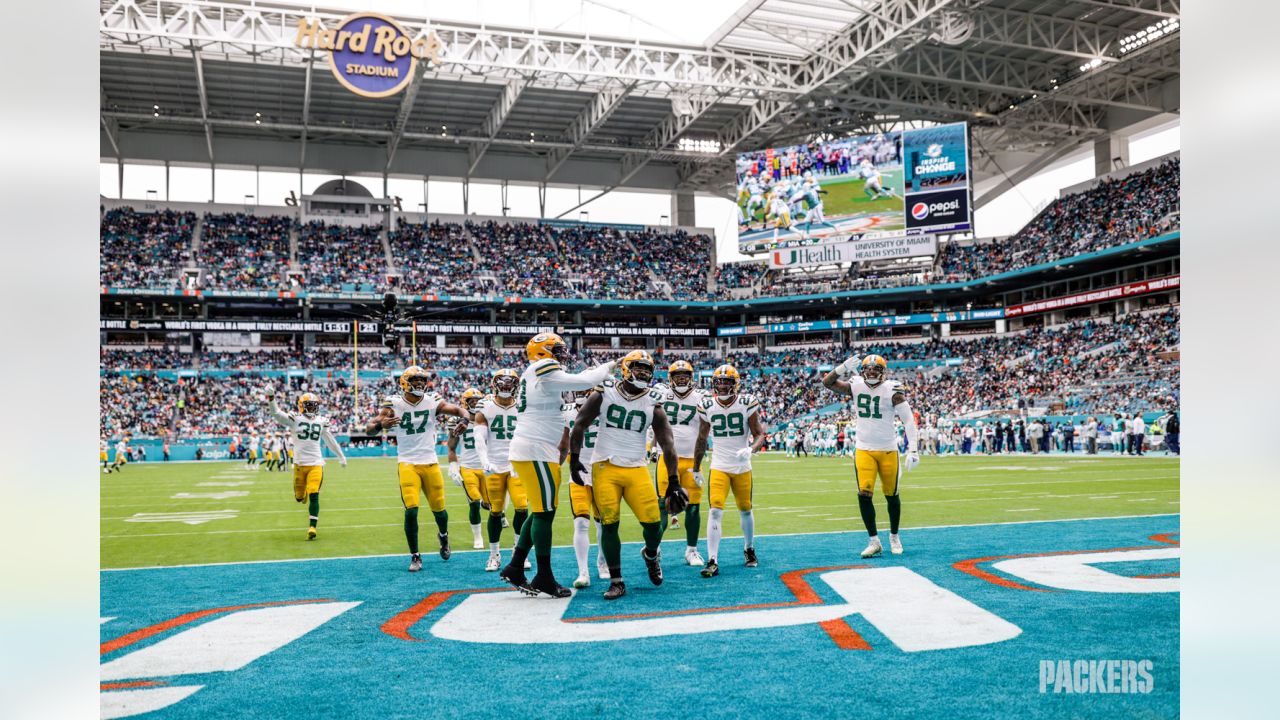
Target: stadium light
[1091,65]
[1137,39]
[708,146]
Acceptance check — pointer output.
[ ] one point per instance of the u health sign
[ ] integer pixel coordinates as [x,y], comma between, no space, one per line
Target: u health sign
[370,54]
[860,251]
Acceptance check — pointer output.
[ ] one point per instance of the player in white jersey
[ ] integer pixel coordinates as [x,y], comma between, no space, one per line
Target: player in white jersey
[873,182]
[581,499]
[308,429]
[755,199]
[121,455]
[680,400]
[536,454]
[732,420]
[620,461]
[413,416]
[495,419]
[102,454]
[467,459]
[877,401]
[254,443]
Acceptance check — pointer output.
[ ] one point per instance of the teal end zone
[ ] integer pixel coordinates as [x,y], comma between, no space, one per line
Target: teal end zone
[355,665]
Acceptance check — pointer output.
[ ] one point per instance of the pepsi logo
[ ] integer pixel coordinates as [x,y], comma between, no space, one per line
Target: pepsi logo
[920,211]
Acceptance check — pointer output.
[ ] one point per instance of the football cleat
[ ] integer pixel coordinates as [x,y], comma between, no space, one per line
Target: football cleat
[495,562]
[692,557]
[550,588]
[749,554]
[311,533]
[415,562]
[602,567]
[712,569]
[514,576]
[445,552]
[582,581]
[653,564]
[528,565]
[895,545]
[617,589]
[874,548]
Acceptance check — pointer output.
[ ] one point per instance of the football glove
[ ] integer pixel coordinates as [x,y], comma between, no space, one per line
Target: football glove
[677,498]
[911,461]
[848,367]
[455,472]
[654,454]
[697,478]
[578,472]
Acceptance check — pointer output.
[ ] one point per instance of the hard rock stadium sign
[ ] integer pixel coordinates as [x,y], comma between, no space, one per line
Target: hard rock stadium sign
[370,54]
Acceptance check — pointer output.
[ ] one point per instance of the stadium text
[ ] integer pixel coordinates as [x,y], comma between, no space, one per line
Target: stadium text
[1096,676]
[388,41]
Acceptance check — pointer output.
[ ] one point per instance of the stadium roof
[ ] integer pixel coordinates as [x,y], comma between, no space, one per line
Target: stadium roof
[222,82]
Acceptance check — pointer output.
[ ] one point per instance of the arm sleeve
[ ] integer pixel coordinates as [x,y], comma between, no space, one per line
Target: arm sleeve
[561,381]
[282,418]
[908,418]
[332,442]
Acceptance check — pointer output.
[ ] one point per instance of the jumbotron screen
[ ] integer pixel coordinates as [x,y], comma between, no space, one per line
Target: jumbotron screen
[858,187]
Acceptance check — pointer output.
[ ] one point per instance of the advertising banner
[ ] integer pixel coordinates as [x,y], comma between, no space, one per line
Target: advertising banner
[861,251]
[1087,298]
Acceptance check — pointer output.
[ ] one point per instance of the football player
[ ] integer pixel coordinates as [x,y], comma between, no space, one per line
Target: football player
[253,450]
[873,182]
[877,400]
[496,419]
[680,398]
[581,498]
[468,471]
[413,417]
[308,429]
[121,457]
[535,454]
[619,469]
[733,419]
[102,454]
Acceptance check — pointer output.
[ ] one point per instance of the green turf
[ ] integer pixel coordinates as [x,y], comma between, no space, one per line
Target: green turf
[845,197]
[361,512]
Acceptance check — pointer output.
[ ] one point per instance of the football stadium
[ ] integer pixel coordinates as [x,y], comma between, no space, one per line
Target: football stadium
[747,358]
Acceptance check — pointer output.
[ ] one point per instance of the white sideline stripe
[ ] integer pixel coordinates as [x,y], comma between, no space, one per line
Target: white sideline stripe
[396,524]
[1023,510]
[636,542]
[227,643]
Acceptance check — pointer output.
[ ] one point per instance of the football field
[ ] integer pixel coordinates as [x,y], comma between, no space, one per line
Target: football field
[183,513]
[1023,580]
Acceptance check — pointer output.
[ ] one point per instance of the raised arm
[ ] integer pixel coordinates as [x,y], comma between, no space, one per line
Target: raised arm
[560,381]
[837,380]
[279,415]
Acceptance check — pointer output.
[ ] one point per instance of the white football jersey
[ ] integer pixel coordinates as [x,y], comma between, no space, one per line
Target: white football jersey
[624,422]
[589,434]
[502,428]
[416,433]
[873,406]
[468,455]
[682,414]
[587,452]
[730,431]
[253,442]
[307,433]
[541,424]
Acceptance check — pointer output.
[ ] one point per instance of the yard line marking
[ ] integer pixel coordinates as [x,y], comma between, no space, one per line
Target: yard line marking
[1140,499]
[1023,510]
[638,542]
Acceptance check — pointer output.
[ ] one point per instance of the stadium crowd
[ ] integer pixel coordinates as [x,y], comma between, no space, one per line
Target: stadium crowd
[434,258]
[245,252]
[1114,212]
[342,257]
[1088,366]
[143,249]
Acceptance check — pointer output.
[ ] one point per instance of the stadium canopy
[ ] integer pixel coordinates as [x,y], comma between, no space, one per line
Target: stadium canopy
[587,93]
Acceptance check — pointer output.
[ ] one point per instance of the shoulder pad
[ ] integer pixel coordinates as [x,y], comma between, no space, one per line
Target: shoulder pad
[655,394]
[705,402]
[544,366]
[606,383]
[433,395]
[748,400]
[387,401]
[899,387]
[567,407]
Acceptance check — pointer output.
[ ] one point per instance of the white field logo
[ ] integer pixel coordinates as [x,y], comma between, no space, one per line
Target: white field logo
[1096,677]
[138,683]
